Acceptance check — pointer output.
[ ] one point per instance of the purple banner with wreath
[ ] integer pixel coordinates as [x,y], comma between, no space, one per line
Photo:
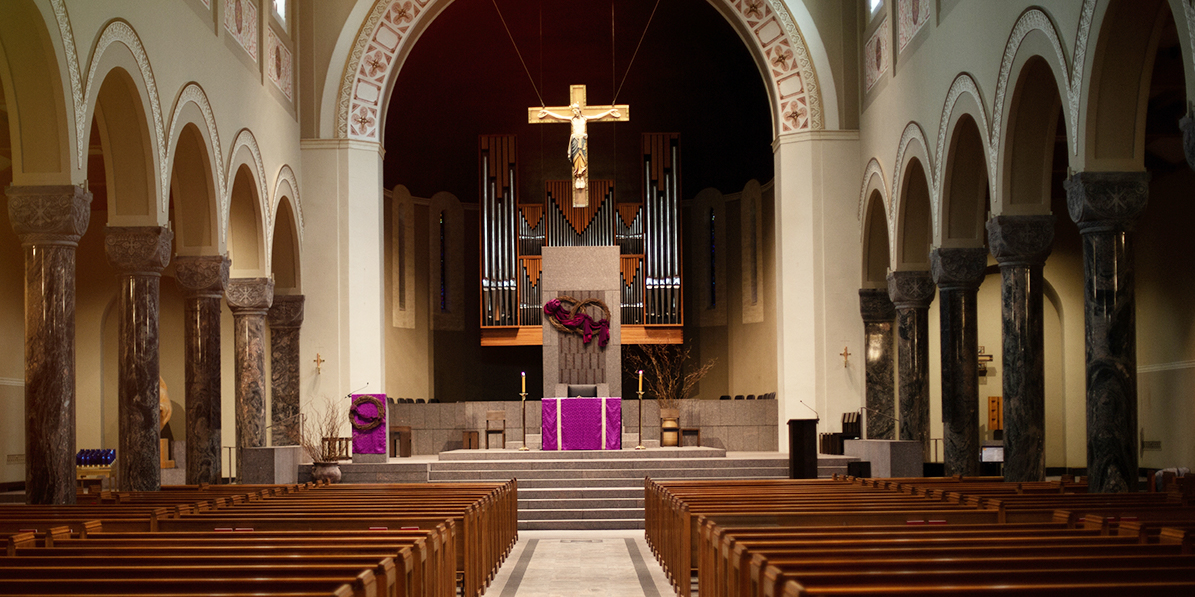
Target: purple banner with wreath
[367,413]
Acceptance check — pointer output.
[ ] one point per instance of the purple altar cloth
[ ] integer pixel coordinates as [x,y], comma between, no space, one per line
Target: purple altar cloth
[581,423]
[373,441]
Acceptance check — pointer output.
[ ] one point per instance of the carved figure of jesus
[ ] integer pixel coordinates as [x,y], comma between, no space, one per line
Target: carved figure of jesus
[578,114]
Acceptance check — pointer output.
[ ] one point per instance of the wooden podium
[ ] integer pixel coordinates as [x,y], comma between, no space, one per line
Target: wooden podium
[802,448]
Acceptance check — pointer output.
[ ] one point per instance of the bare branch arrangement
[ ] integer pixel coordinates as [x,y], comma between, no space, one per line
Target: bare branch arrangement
[663,367]
[311,430]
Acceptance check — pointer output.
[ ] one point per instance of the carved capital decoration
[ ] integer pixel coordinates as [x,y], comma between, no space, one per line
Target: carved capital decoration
[875,306]
[1021,240]
[1106,200]
[138,250]
[1187,125]
[249,294]
[54,214]
[958,268]
[287,311]
[911,289]
[202,276]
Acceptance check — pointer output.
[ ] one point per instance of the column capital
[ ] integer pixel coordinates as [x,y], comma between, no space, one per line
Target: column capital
[249,294]
[1021,240]
[958,268]
[911,289]
[286,312]
[875,306]
[1187,125]
[1106,200]
[202,276]
[56,214]
[138,249]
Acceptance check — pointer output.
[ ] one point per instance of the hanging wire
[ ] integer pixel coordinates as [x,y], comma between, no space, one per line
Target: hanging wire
[520,54]
[637,46]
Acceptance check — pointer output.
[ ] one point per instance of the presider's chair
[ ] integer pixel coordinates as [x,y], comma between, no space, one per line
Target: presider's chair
[495,423]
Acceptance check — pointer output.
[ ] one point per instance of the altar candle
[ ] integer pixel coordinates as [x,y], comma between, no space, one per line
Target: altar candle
[524,382]
[640,380]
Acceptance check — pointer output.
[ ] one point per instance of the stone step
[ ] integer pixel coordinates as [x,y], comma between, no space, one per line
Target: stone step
[572,492]
[603,473]
[589,514]
[515,454]
[608,524]
[621,463]
[579,504]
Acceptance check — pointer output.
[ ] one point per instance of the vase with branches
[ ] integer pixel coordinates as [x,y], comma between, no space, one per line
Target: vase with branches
[665,374]
[322,420]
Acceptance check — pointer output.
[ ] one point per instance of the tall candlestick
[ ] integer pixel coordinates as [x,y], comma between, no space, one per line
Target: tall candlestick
[640,380]
[524,381]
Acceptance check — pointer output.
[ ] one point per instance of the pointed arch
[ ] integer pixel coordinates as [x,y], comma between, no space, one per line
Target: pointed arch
[118,48]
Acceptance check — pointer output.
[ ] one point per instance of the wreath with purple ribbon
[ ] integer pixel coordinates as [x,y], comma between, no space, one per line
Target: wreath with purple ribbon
[574,321]
[368,423]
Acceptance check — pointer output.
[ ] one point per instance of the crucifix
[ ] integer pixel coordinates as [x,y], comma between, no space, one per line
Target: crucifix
[578,113]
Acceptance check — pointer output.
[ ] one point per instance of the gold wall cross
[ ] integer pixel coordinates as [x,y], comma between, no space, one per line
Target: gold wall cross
[578,113]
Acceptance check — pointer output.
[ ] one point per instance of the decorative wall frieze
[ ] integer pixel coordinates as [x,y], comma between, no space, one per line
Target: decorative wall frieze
[1020,239]
[56,214]
[249,294]
[875,306]
[1098,200]
[386,35]
[911,289]
[138,250]
[286,312]
[958,268]
[202,276]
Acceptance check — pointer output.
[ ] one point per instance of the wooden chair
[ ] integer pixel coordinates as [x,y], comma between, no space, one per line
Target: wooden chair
[492,418]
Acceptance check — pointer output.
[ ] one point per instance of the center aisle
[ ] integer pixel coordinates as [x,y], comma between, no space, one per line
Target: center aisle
[567,563]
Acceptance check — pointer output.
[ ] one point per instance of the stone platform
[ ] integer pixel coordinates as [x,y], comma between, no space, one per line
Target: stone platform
[579,489]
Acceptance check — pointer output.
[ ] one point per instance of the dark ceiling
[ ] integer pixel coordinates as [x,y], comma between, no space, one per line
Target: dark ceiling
[692,75]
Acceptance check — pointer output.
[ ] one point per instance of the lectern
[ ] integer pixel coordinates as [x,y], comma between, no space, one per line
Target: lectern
[802,448]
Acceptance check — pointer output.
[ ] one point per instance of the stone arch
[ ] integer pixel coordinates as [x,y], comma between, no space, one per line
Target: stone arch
[285,245]
[914,226]
[1115,98]
[912,148]
[31,77]
[245,153]
[964,193]
[287,186]
[1030,123]
[873,180]
[197,175]
[192,110]
[246,210]
[963,102]
[391,28]
[121,94]
[876,245]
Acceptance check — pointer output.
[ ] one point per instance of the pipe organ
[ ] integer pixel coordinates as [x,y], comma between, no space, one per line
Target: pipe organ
[513,235]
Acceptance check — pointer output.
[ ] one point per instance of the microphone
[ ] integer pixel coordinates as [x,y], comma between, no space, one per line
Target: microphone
[819,417]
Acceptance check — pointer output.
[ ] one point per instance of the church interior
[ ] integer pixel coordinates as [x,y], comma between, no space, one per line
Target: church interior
[949,227]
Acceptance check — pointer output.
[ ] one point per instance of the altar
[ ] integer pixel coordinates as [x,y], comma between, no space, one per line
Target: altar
[582,423]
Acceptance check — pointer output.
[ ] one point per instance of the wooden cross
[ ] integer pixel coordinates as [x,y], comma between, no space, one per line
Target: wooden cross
[578,113]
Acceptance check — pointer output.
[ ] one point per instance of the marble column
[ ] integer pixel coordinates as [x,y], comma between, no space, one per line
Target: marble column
[1020,245]
[958,274]
[202,280]
[1105,205]
[250,300]
[879,362]
[138,254]
[912,292]
[49,221]
[285,319]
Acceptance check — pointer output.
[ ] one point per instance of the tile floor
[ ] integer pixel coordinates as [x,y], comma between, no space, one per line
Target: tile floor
[571,563]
